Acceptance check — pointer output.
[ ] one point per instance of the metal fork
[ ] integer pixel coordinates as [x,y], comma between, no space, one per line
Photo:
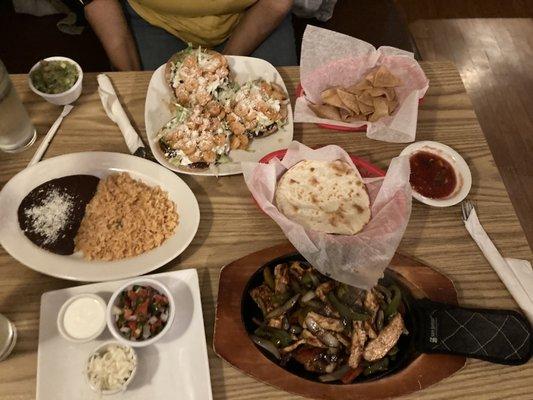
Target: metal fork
[466,207]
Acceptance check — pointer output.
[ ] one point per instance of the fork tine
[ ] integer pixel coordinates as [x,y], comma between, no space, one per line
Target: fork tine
[470,206]
[466,207]
[463,210]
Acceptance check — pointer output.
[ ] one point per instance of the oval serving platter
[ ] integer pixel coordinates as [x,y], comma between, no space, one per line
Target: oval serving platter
[100,164]
[232,343]
[157,112]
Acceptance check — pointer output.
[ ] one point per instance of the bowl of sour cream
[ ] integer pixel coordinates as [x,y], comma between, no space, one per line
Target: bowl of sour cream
[82,318]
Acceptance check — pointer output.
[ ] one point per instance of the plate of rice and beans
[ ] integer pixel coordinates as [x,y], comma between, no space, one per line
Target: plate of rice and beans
[96,216]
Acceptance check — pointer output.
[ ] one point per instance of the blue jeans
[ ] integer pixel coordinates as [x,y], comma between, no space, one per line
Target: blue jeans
[155,45]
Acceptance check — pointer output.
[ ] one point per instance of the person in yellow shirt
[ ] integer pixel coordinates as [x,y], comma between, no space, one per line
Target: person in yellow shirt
[145,33]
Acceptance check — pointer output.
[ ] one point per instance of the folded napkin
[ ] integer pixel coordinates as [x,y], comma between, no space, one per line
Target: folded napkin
[517,275]
[116,113]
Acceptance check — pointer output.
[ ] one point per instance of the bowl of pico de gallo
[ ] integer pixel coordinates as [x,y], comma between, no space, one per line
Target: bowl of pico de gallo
[140,312]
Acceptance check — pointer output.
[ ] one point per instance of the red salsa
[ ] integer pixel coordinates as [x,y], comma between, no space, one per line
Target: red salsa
[431,175]
[141,312]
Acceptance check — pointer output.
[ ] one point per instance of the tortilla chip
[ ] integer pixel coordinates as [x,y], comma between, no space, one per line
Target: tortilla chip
[390,93]
[330,96]
[384,78]
[377,92]
[347,117]
[359,87]
[349,100]
[381,109]
[365,108]
[365,98]
[370,76]
[392,105]
[325,111]
[353,90]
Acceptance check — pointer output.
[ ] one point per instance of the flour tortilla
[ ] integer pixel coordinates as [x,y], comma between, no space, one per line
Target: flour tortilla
[325,196]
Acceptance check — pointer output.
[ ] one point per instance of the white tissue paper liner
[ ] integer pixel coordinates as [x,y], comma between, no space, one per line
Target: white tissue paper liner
[357,260]
[332,59]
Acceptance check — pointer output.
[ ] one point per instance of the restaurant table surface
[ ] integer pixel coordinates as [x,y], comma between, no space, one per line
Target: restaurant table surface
[232,226]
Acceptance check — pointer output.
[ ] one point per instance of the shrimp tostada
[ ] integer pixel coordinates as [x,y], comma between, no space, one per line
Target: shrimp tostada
[214,114]
[196,75]
[257,109]
[195,138]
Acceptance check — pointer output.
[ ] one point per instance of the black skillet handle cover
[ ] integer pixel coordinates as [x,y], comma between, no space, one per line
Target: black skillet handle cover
[498,336]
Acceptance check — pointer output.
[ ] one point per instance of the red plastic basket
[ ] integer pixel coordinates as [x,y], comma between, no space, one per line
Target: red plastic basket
[366,168]
[300,92]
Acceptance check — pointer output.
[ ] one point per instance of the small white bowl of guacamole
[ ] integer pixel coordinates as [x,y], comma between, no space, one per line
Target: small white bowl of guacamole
[58,80]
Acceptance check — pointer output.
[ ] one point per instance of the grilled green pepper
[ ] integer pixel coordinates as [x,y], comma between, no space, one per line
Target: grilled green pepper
[269,279]
[392,307]
[346,311]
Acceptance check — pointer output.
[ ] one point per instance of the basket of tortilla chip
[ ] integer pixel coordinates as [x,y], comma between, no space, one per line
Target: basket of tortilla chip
[346,226]
[349,84]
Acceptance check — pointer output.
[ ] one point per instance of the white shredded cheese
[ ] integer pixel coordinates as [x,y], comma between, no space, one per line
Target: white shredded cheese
[52,216]
[111,368]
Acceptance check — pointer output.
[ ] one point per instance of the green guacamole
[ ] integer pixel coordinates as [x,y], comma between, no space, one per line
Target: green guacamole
[54,77]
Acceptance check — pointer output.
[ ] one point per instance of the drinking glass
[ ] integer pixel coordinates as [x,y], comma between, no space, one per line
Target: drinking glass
[16,130]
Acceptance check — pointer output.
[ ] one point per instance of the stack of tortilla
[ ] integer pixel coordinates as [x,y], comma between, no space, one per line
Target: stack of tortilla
[325,196]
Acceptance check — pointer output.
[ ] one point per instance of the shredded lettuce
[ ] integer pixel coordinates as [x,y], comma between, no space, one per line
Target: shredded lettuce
[180,113]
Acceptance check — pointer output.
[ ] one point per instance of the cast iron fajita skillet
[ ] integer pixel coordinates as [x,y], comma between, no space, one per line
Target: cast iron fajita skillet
[499,336]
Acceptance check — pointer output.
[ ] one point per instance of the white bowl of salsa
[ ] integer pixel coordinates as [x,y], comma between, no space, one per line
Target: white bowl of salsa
[440,177]
[61,84]
[140,312]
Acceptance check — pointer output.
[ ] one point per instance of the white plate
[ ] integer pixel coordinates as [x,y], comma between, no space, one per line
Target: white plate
[462,172]
[157,113]
[101,164]
[176,367]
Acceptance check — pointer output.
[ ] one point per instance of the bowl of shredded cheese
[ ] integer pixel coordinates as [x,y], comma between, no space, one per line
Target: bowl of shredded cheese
[111,367]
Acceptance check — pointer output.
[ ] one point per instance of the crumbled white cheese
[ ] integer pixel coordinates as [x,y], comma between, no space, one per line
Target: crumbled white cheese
[51,217]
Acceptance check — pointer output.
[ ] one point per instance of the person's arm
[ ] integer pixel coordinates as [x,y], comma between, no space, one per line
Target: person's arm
[258,22]
[108,22]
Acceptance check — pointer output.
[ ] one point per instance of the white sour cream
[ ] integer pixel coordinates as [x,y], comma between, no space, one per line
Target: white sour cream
[83,318]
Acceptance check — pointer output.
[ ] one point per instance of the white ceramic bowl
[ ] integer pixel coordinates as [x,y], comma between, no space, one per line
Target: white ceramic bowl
[100,348]
[113,301]
[61,315]
[462,172]
[67,97]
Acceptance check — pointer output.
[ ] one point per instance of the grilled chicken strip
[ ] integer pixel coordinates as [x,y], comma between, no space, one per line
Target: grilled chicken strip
[325,336]
[281,278]
[311,339]
[358,343]
[296,270]
[293,346]
[370,330]
[380,346]
[330,324]
[262,295]
[345,341]
[371,304]
[323,289]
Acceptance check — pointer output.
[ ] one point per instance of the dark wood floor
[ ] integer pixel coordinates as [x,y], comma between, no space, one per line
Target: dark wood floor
[434,9]
[495,60]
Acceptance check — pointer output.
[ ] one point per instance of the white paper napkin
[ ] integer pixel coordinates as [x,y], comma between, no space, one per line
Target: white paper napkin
[116,113]
[517,275]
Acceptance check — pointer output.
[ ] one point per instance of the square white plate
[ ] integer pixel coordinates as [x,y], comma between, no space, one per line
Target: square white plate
[157,113]
[176,367]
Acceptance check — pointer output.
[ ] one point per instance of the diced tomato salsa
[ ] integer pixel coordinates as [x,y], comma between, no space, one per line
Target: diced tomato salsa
[141,312]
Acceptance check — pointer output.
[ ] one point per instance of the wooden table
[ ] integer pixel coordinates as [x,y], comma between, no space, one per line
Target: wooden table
[232,226]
